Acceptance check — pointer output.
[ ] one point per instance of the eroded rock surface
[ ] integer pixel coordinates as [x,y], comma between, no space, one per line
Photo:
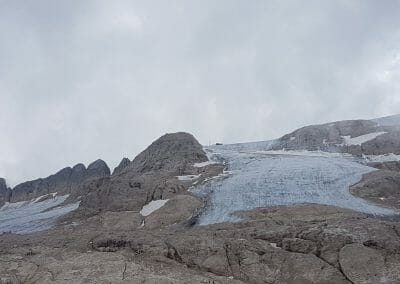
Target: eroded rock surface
[65,181]
[381,186]
[357,137]
[296,244]
[150,176]
[5,192]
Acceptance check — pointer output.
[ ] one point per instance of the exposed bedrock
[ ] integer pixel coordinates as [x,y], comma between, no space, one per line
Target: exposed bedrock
[121,166]
[390,165]
[5,192]
[332,137]
[381,186]
[65,181]
[150,176]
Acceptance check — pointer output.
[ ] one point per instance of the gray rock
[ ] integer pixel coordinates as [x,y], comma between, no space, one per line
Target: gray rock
[122,165]
[382,187]
[150,176]
[78,173]
[390,166]
[171,152]
[65,181]
[329,137]
[98,169]
[4,192]
[367,265]
[383,144]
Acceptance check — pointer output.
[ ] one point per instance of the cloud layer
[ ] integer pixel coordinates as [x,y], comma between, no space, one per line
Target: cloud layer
[81,80]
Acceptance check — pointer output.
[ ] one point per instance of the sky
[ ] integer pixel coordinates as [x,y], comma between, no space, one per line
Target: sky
[82,80]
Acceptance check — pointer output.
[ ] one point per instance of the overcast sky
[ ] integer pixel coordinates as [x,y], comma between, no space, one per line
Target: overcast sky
[81,80]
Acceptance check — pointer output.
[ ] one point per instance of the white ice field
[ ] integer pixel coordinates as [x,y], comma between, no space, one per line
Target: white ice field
[33,216]
[260,178]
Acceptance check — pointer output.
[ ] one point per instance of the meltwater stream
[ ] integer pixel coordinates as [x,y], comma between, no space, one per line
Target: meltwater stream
[264,179]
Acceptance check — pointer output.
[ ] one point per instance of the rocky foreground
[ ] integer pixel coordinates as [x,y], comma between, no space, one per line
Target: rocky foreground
[298,244]
[141,224]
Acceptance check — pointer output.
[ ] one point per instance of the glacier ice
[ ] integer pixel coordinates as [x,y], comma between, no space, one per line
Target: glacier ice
[259,178]
[33,216]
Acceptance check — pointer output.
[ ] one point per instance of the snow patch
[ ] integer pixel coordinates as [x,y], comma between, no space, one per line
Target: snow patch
[152,206]
[188,177]
[204,164]
[348,141]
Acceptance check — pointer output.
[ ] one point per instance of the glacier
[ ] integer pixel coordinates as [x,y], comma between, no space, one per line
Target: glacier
[261,178]
[33,216]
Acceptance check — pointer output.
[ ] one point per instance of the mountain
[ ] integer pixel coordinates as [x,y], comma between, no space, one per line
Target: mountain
[150,176]
[65,181]
[357,137]
[121,166]
[318,205]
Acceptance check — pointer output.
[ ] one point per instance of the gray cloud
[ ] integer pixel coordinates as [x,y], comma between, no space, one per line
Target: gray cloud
[81,80]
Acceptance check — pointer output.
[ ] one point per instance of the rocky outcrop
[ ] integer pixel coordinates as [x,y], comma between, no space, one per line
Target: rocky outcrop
[390,166]
[97,169]
[181,208]
[122,165]
[150,176]
[381,186]
[65,181]
[331,137]
[383,144]
[171,152]
[324,137]
[288,244]
[4,192]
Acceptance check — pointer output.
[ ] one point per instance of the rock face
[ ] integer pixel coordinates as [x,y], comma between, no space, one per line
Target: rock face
[172,152]
[4,192]
[390,166]
[382,187]
[332,137]
[64,182]
[150,176]
[97,169]
[122,165]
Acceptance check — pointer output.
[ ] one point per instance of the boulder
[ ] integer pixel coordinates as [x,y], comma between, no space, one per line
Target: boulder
[365,265]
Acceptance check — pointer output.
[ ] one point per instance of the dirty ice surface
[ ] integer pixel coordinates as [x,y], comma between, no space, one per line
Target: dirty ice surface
[32,216]
[259,178]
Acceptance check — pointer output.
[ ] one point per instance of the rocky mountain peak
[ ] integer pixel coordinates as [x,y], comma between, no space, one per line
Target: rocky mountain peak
[98,168]
[122,165]
[4,191]
[171,152]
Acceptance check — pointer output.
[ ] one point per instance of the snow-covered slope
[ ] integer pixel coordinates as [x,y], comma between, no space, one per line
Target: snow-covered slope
[269,178]
[33,216]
